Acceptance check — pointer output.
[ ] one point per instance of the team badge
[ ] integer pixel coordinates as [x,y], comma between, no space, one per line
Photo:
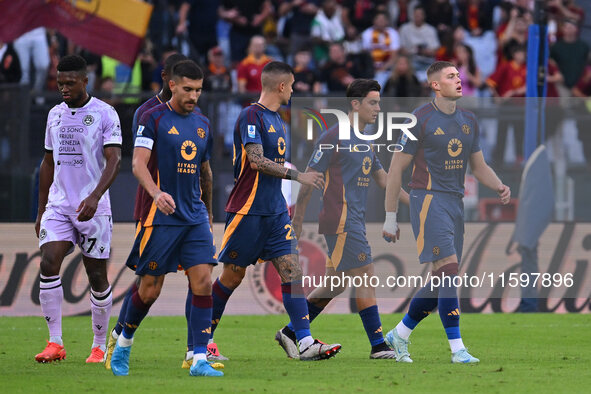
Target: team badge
[201,132]
[466,129]
[140,130]
[88,120]
[233,254]
[317,157]
[436,250]
[42,234]
[251,131]
[362,257]
[188,150]
[153,265]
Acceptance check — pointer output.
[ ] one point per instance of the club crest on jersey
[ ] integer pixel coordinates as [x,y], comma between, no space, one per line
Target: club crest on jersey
[42,234]
[140,130]
[88,120]
[201,132]
[466,129]
[251,131]
[317,156]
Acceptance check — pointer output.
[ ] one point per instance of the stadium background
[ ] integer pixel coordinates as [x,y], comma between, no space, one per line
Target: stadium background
[24,105]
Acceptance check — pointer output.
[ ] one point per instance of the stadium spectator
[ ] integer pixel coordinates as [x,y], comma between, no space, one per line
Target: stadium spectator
[513,34]
[338,72]
[469,72]
[401,11]
[32,47]
[506,82]
[419,40]
[449,40]
[199,18]
[10,68]
[250,68]
[126,80]
[402,81]
[246,18]
[570,54]
[566,9]
[306,80]
[299,16]
[217,76]
[359,13]
[475,16]
[382,42]
[439,14]
[327,27]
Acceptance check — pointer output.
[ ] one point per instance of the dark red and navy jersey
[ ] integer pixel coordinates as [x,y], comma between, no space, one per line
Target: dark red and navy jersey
[255,193]
[179,145]
[347,175]
[142,198]
[442,151]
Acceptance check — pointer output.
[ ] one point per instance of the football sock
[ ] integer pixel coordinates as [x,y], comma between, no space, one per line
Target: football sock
[201,323]
[121,319]
[199,356]
[188,318]
[100,307]
[297,308]
[372,324]
[136,311]
[420,307]
[449,311]
[313,312]
[51,295]
[221,294]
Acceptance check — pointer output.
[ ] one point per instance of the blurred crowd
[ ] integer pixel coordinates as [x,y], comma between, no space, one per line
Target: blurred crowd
[329,43]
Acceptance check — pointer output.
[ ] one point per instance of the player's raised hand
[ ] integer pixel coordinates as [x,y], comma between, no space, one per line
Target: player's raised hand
[164,202]
[390,231]
[504,193]
[313,178]
[87,208]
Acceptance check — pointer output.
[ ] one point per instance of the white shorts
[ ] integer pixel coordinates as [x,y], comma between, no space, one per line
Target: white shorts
[93,236]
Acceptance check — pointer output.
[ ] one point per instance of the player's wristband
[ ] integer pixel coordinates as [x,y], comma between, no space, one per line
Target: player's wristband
[390,224]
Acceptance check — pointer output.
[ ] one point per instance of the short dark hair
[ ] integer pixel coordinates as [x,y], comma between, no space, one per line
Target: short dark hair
[438,66]
[72,63]
[187,69]
[360,88]
[277,68]
[171,60]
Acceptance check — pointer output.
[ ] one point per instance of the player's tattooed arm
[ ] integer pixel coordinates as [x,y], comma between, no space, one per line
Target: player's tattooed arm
[87,207]
[206,181]
[45,181]
[288,267]
[260,163]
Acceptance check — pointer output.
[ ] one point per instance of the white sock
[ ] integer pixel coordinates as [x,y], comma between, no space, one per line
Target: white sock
[199,356]
[210,341]
[306,342]
[189,355]
[124,342]
[100,345]
[114,334]
[57,340]
[456,344]
[403,331]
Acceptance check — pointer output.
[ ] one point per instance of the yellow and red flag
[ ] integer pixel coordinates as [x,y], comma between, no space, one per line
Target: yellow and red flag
[114,28]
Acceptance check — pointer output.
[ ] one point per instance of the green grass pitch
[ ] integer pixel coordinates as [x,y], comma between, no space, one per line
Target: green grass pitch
[535,353]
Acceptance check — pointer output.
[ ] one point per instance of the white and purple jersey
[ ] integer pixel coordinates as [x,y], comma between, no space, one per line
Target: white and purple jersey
[77,137]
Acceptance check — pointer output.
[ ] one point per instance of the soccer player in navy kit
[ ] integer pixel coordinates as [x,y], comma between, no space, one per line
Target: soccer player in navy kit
[448,139]
[142,198]
[348,173]
[257,222]
[176,226]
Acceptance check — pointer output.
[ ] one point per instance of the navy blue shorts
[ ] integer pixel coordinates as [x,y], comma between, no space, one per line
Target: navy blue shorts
[347,250]
[158,250]
[438,224]
[248,238]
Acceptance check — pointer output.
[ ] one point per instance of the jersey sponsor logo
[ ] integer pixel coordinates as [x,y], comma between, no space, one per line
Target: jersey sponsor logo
[366,165]
[88,120]
[281,145]
[454,147]
[439,131]
[140,130]
[317,157]
[466,129]
[188,150]
[272,129]
[173,130]
[201,132]
[251,131]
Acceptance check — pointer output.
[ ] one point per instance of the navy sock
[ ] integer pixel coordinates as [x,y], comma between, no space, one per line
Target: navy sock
[221,294]
[313,312]
[297,308]
[449,311]
[121,319]
[188,318]
[421,305]
[136,311]
[201,322]
[372,324]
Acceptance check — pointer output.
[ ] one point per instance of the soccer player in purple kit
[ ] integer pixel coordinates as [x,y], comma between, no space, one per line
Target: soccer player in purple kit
[447,140]
[82,158]
[177,225]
